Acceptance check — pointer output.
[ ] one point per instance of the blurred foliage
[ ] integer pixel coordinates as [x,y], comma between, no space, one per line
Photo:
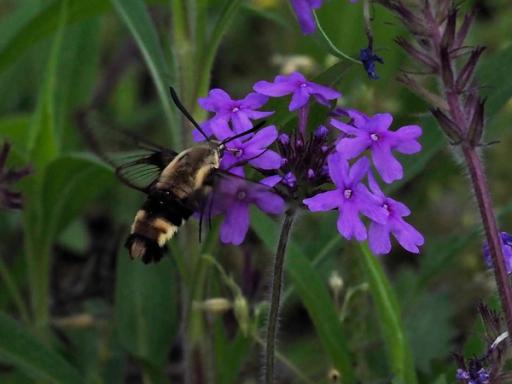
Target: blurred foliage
[74,307]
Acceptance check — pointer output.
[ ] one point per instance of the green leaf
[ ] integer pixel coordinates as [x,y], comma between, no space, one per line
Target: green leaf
[23,350]
[398,352]
[146,308]
[71,183]
[312,290]
[136,18]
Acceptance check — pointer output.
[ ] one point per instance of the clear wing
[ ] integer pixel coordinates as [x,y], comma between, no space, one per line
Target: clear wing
[137,162]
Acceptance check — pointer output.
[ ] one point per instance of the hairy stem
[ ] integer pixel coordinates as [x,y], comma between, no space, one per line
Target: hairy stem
[277,286]
[483,198]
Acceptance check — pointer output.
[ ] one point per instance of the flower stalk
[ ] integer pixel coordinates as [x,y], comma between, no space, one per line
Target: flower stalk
[277,287]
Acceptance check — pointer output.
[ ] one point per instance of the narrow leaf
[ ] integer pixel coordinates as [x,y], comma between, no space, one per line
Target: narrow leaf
[23,350]
[389,317]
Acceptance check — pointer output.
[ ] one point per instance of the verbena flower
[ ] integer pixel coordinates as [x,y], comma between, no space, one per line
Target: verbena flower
[253,151]
[233,197]
[299,87]
[506,240]
[379,232]
[239,112]
[8,177]
[304,11]
[350,197]
[372,133]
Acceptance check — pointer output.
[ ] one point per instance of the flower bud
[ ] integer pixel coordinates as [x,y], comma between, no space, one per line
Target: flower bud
[241,309]
[333,376]
[335,283]
[321,132]
[214,306]
[284,139]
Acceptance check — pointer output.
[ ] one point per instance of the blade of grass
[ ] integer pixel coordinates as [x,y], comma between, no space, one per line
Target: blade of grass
[23,350]
[138,21]
[312,290]
[398,352]
[13,290]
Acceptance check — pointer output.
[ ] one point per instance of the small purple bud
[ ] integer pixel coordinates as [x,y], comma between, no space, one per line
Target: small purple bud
[311,174]
[284,161]
[299,143]
[325,148]
[284,139]
[462,374]
[290,180]
[483,376]
[321,132]
[506,243]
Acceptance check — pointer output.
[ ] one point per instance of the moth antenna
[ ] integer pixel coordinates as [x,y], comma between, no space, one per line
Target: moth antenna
[253,129]
[183,110]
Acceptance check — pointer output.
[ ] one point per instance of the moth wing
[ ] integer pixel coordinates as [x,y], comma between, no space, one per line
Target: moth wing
[137,161]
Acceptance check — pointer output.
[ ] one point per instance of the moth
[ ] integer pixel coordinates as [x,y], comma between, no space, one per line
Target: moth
[176,184]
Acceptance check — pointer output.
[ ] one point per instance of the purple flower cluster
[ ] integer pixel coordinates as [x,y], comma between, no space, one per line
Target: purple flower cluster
[344,152]
[479,377]
[506,240]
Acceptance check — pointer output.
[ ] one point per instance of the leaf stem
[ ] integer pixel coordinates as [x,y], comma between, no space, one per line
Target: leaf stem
[277,286]
[330,45]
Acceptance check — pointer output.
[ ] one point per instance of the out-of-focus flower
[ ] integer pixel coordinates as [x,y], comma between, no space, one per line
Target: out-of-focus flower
[373,133]
[506,240]
[8,177]
[239,112]
[253,151]
[304,12]
[299,87]
[369,59]
[293,63]
[379,233]
[350,197]
[233,197]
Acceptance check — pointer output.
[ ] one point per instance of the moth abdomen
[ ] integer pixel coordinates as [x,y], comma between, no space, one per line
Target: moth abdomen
[144,248]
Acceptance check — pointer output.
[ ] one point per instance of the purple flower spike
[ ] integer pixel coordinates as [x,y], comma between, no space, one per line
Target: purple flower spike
[233,197]
[379,233]
[238,112]
[373,134]
[304,11]
[253,151]
[506,240]
[350,197]
[300,88]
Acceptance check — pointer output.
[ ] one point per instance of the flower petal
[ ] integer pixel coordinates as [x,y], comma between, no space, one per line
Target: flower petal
[263,138]
[235,224]
[389,168]
[283,85]
[338,169]
[241,122]
[405,139]
[216,100]
[379,122]
[267,160]
[359,170]
[351,148]
[408,237]
[304,14]
[299,98]
[378,239]
[269,202]
[253,101]
[322,90]
[324,201]
[344,127]
[349,223]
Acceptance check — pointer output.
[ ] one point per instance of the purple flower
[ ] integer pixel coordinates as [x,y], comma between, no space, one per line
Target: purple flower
[350,197]
[372,133]
[304,11]
[369,58]
[8,198]
[239,112]
[253,151]
[506,240]
[480,377]
[300,88]
[233,197]
[379,233]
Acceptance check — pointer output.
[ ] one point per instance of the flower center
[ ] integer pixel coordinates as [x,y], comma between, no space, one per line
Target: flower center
[374,137]
[235,109]
[238,152]
[241,195]
[347,193]
[386,207]
[303,85]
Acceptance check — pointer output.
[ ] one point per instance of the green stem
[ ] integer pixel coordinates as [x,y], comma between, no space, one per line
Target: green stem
[13,291]
[330,45]
[277,286]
